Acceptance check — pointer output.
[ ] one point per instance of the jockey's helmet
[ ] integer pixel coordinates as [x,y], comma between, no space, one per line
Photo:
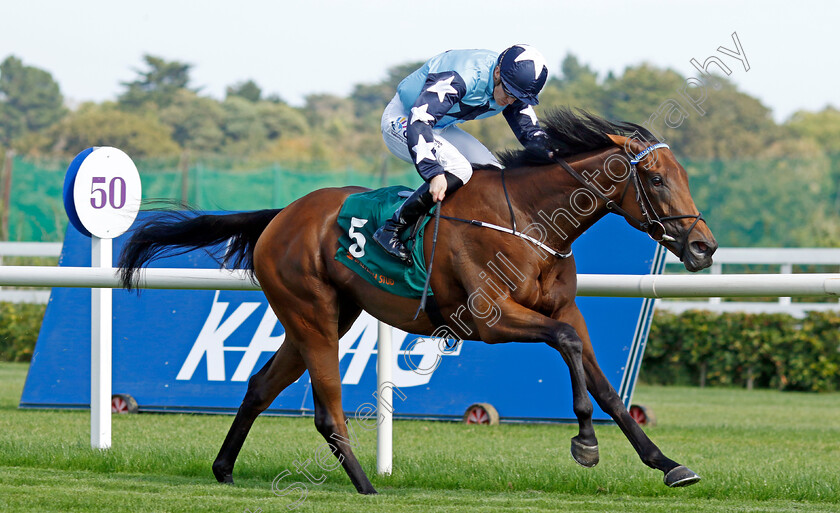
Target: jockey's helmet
[523,71]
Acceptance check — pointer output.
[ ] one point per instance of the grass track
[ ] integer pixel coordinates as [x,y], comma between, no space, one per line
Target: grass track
[751,449]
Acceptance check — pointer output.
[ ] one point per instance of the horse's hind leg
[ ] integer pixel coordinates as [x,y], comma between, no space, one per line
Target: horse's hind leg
[609,401]
[283,369]
[322,362]
[341,437]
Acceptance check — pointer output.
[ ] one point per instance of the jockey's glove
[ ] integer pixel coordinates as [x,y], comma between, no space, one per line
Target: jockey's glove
[540,146]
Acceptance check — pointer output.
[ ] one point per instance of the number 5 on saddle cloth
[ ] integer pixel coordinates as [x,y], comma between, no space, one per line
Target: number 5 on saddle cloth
[359,218]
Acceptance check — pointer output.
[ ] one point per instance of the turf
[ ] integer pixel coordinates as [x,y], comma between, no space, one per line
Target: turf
[756,450]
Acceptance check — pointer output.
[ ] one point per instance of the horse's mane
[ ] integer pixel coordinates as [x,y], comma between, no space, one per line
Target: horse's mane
[572,133]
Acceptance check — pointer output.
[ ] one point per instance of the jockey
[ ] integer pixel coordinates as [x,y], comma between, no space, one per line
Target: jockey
[456,86]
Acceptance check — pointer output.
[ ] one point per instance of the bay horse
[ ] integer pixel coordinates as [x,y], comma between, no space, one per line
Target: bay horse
[609,167]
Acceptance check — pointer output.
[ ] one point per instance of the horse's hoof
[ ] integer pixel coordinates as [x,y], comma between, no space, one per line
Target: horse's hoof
[368,491]
[681,476]
[222,475]
[225,479]
[585,455]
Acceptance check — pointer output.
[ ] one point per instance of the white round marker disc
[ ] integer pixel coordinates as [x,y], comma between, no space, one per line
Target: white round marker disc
[107,192]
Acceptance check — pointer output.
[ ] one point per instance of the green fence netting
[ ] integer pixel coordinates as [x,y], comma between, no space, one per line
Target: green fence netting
[36,209]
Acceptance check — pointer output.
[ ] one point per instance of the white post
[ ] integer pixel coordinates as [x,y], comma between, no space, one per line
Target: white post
[785,269]
[717,268]
[100,349]
[384,402]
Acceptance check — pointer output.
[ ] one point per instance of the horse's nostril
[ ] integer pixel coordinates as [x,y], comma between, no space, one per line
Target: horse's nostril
[701,248]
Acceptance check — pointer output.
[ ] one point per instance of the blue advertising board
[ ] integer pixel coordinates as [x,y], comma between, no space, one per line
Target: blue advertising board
[194,351]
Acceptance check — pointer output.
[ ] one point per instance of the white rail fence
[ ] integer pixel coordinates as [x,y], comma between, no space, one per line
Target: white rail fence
[27,249]
[782,259]
[611,285]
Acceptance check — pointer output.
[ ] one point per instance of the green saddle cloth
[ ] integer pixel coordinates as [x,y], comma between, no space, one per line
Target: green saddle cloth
[361,215]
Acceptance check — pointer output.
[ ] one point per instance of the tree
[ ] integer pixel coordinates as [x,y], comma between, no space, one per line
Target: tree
[822,127]
[765,202]
[248,90]
[369,100]
[30,101]
[639,91]
[281,120]
[332,114]
[734,126]
[158,86]
[577,88]
[244,131]
[571,71]
[196,122]
[726,124]
[106,125]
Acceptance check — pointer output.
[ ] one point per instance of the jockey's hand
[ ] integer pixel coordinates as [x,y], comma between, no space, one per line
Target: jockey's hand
[540,146]
[437,187]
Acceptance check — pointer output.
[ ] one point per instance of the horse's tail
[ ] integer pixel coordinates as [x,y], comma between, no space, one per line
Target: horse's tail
[171,233]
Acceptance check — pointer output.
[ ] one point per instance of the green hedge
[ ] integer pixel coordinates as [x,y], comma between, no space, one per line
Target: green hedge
[19,326]
[740,349]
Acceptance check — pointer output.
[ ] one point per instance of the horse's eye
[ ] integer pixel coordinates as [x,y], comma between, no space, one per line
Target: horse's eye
[657,181]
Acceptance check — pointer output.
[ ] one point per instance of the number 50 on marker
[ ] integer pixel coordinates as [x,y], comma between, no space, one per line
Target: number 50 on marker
[102,192]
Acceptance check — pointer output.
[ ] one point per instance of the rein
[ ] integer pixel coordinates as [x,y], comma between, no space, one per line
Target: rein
[425,295]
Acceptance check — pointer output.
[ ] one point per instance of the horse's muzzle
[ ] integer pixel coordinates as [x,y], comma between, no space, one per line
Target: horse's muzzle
[697,254]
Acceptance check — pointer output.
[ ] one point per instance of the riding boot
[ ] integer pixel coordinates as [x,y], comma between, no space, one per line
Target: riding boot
[388,235]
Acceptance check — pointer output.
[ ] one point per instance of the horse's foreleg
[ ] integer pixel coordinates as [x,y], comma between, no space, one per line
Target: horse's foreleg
[570,346]
[525,325]
[609,401]
[283,369]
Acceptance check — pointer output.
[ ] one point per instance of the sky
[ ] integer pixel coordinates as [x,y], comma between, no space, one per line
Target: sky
[293,49]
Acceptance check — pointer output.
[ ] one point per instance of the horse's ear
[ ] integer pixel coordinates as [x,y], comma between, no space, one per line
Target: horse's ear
[631,146]
[617,139]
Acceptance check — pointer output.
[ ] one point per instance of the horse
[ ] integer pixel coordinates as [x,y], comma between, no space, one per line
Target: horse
[291,253]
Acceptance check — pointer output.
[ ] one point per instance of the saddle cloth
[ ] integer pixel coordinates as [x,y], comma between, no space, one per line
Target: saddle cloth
[360,216]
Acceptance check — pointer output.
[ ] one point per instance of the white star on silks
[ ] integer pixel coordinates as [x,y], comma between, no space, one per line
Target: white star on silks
[420,114]
[423,149]
[531,54]
[529,111]
[442,87]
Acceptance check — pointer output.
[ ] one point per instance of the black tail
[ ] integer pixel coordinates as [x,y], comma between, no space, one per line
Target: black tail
[170,233]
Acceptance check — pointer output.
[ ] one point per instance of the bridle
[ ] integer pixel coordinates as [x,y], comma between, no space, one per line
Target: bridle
[651,223]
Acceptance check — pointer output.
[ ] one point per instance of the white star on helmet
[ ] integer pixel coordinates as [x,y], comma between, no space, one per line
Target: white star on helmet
[534,55]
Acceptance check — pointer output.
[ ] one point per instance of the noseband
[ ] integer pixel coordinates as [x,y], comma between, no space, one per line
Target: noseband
[651,223]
